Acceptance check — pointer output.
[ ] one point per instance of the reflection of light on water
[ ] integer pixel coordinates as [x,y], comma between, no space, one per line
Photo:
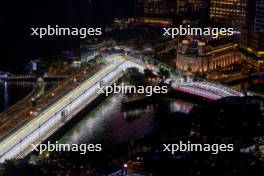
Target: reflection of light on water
[138,112]
[93,122]
[86,128]
[75,137]
[10,93]
[108,125]
[149,108]
[133,113]
[6,97]
[105,109]
[180,106]
[113,100]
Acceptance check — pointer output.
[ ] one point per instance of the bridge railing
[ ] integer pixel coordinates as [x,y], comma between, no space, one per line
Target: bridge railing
[19,116]
[211,87]
[73,99]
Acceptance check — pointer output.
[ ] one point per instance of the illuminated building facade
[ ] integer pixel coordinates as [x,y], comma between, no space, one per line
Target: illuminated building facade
[252,34]
[252,42]
[161,7]
[230,13]
[181,6]
[201,57]
[195,5]
[150,21]
[259,17]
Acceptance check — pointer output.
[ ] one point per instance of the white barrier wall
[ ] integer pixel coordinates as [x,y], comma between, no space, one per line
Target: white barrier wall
[39,129]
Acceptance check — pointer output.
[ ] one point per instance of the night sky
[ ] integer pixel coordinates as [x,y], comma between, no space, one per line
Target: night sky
[17,17]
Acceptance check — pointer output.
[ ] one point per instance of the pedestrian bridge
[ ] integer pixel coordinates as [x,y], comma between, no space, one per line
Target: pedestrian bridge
[207,90]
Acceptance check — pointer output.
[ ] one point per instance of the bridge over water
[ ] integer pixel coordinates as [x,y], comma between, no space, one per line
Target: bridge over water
[30,77]
[207,90]
[18,144]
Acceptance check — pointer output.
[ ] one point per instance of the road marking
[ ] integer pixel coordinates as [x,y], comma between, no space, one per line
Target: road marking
[46,113]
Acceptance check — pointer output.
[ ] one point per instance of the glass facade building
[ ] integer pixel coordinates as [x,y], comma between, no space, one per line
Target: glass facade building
[231,13]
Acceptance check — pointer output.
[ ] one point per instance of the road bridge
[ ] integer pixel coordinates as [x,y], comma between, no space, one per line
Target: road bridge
[48,121]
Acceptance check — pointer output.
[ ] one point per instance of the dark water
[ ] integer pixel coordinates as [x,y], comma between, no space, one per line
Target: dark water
[253,85]
[12,92]
[108,124]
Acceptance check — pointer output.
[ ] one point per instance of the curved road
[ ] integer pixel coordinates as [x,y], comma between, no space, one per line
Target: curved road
[38,129]
[50,120]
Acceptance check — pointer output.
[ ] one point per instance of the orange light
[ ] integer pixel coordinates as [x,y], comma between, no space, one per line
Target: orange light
[201,44]
[249,49]
[261,52]
[185,41]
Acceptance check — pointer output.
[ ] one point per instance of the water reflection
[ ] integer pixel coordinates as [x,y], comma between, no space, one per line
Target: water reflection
[109,124]
[253,85]
[6,97]
[180,106]
[11,92]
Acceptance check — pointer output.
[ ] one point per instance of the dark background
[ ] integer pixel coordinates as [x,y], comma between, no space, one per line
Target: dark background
[17,17]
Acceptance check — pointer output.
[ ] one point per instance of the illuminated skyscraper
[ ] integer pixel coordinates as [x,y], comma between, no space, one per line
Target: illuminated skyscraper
[195,5]
[230,13]
[181,6]
[206,8]
[252,34]
[259,17]
[161,7]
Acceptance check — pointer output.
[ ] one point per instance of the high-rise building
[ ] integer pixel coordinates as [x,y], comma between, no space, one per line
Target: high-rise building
[230,13]
[161,8]
[151,7]
[255,15]
[250,13]
[206,5]
[195,5]
[259,17]
[252,34]
[181,6]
